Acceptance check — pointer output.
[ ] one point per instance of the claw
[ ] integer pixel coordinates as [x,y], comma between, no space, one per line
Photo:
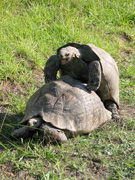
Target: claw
[92,88]
[115,117]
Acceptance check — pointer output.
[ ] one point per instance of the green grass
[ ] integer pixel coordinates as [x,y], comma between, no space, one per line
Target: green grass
[30,32]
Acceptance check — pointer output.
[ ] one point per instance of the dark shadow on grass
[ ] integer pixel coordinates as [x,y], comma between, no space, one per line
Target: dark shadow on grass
[7,124]
[10,122]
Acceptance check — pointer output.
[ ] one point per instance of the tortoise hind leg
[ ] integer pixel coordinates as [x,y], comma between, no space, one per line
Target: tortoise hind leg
[111,106]
[52,133]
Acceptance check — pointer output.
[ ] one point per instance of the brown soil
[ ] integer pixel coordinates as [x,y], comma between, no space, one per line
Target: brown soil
[9,87]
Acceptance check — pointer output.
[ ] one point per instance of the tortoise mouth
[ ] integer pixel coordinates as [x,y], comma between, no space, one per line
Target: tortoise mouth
[64,61]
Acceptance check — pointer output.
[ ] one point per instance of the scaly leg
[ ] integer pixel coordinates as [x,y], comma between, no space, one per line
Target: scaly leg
[111,106]
[52,133]
[51,68]
[94,78]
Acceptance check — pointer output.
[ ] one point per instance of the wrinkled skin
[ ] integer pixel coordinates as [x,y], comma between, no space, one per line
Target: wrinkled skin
[36,124]
[68,53]
[77,63]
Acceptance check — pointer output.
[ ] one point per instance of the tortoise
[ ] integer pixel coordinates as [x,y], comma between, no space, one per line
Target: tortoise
[62,108]
[88,64]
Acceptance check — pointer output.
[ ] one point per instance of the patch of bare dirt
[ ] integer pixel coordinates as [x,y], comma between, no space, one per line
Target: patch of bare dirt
[9,87]
[126,110]
[7,170]
[98,170]
[128,50]
[125,37]
[38,75]
[24,176]
[6,88]
[126,53]
[23,58]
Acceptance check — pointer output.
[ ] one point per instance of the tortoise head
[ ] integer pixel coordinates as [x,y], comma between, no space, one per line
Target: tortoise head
[67,54]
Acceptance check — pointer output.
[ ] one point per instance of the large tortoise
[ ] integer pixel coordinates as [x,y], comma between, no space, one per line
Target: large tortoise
[88,64]
[63,108]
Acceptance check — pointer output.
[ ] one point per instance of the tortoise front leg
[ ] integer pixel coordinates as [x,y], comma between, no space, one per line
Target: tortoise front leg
[51,68]
[94,76]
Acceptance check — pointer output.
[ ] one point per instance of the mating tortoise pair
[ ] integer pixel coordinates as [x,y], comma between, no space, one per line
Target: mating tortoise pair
[88,64]
[66,107]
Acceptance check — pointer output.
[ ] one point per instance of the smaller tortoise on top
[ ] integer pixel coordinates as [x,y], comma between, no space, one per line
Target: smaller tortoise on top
[88,64]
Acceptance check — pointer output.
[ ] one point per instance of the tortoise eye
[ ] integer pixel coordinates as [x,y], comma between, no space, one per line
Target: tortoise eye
[67,54]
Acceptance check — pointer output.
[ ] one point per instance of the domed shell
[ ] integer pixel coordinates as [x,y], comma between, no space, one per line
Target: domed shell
[66,104]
